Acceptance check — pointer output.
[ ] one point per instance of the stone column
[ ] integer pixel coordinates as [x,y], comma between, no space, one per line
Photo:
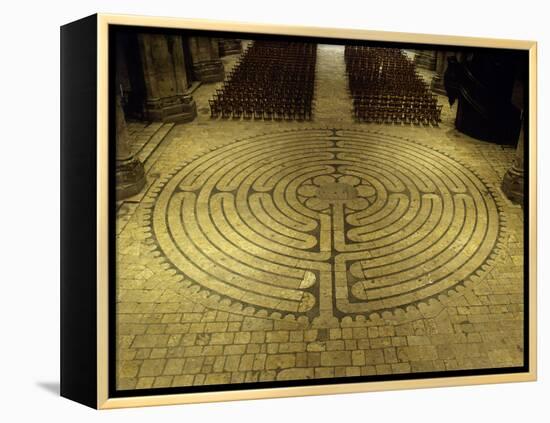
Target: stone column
[130,174]
[513,181]
[229,46]
[425,59]
[437,84]
[165,79]
[207,65]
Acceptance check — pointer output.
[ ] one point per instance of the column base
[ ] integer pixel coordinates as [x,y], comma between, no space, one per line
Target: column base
[438,85]
[209,71]
[130,178]
[230,46]
[425,60]
[513,184]
[177,109]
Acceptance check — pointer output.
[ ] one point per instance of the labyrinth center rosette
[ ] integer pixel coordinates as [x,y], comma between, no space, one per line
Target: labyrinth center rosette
[326,223]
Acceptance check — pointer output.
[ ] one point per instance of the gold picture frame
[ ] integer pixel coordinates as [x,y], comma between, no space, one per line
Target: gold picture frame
[81,387]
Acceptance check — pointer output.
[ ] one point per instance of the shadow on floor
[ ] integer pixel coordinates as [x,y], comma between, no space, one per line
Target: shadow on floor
[51,387]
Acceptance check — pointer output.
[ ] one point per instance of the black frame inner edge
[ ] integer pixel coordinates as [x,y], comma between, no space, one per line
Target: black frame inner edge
[114,393]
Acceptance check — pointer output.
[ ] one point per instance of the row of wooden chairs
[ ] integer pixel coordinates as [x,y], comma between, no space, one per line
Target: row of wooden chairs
[364,97]
[271,80]
[386,88]
[261,110]
[377,110]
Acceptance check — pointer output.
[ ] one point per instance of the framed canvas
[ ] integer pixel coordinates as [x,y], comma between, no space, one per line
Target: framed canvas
[256,211]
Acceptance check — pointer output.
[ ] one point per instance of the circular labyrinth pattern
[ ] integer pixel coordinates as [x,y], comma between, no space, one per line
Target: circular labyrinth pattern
[326,223]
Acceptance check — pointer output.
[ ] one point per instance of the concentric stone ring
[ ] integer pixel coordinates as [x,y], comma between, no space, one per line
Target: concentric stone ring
[326,223]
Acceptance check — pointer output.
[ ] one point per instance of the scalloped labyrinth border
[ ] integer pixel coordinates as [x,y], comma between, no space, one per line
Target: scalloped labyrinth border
[429,308]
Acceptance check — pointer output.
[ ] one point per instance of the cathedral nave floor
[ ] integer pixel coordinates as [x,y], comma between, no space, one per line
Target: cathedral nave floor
[267,250]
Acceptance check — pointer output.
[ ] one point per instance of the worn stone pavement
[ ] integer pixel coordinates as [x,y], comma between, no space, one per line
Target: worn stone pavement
[176,328]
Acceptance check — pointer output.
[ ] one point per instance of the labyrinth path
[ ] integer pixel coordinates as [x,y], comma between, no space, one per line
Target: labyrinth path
[326,223]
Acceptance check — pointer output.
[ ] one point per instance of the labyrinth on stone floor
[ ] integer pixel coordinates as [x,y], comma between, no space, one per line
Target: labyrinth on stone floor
[326,223]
